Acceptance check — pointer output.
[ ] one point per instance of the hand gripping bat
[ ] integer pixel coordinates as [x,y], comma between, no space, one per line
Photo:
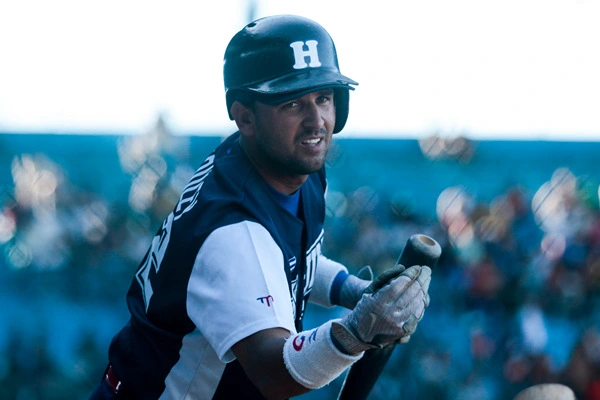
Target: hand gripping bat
[419,250]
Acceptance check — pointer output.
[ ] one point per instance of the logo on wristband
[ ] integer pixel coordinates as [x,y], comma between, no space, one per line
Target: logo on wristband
[298,344]
[298,341]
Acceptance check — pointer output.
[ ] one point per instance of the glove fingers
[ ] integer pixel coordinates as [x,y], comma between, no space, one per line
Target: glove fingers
[410,326]
[420,274]
[400,267]
[415,271]
[403,340]
[405,292]
[385,278]
[404,285]
[424,277]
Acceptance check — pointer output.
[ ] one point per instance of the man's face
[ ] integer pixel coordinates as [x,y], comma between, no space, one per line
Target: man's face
[293,137]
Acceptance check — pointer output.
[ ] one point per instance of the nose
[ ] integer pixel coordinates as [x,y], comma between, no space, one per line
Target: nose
[314,117]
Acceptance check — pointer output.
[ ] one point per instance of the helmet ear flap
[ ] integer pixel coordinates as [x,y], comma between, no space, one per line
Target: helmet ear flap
[342,107]
[244,97]
[229,99]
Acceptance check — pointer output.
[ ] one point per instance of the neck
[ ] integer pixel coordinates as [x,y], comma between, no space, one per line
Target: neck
[283,183]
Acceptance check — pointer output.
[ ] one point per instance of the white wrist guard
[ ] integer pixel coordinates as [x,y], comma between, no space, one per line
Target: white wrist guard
[313,360]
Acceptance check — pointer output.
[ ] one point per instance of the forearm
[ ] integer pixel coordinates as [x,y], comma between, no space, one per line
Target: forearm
[261,357]
[334,286]
[313,359]
[281,365]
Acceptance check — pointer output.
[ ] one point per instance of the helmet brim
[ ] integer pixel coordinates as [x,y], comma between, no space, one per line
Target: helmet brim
[293,86]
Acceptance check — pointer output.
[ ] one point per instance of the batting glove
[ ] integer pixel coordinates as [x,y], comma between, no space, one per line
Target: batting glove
[388,311]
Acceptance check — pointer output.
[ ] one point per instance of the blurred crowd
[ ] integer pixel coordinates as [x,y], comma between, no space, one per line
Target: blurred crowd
[514,297]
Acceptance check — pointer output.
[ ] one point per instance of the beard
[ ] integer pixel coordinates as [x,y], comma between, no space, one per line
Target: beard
[297,160]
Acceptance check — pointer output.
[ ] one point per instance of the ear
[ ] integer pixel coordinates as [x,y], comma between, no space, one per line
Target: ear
[243,117]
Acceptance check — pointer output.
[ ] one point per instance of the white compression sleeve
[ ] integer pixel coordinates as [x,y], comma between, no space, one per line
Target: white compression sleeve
[327,270]
[313,360]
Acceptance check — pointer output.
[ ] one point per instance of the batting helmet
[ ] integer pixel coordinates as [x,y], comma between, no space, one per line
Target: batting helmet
[279,58]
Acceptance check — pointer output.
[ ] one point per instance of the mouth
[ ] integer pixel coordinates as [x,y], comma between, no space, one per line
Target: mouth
[313,141]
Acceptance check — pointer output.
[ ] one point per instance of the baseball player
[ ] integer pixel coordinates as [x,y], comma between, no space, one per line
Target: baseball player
[218,301]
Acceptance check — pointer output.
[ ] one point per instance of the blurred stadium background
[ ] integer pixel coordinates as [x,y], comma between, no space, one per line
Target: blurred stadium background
[515,298]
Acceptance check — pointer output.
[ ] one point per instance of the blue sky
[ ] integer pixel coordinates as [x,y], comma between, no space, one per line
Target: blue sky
[484,69]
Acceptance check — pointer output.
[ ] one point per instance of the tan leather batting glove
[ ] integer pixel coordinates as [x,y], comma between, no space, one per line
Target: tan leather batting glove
[387,312]
[385,277]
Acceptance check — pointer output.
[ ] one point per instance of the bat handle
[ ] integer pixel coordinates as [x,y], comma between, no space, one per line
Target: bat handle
[419,250]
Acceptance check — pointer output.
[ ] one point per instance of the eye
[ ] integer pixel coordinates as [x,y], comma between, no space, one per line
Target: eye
[325,98]
[291,104]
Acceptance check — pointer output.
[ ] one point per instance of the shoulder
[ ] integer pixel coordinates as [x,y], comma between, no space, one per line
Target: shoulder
[321,176]
[246,235]
[316,185]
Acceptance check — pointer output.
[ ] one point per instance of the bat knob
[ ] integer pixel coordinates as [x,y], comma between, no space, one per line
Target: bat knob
[420,249]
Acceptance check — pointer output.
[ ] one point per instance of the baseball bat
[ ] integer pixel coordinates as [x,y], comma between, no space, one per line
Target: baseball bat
[419,250]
